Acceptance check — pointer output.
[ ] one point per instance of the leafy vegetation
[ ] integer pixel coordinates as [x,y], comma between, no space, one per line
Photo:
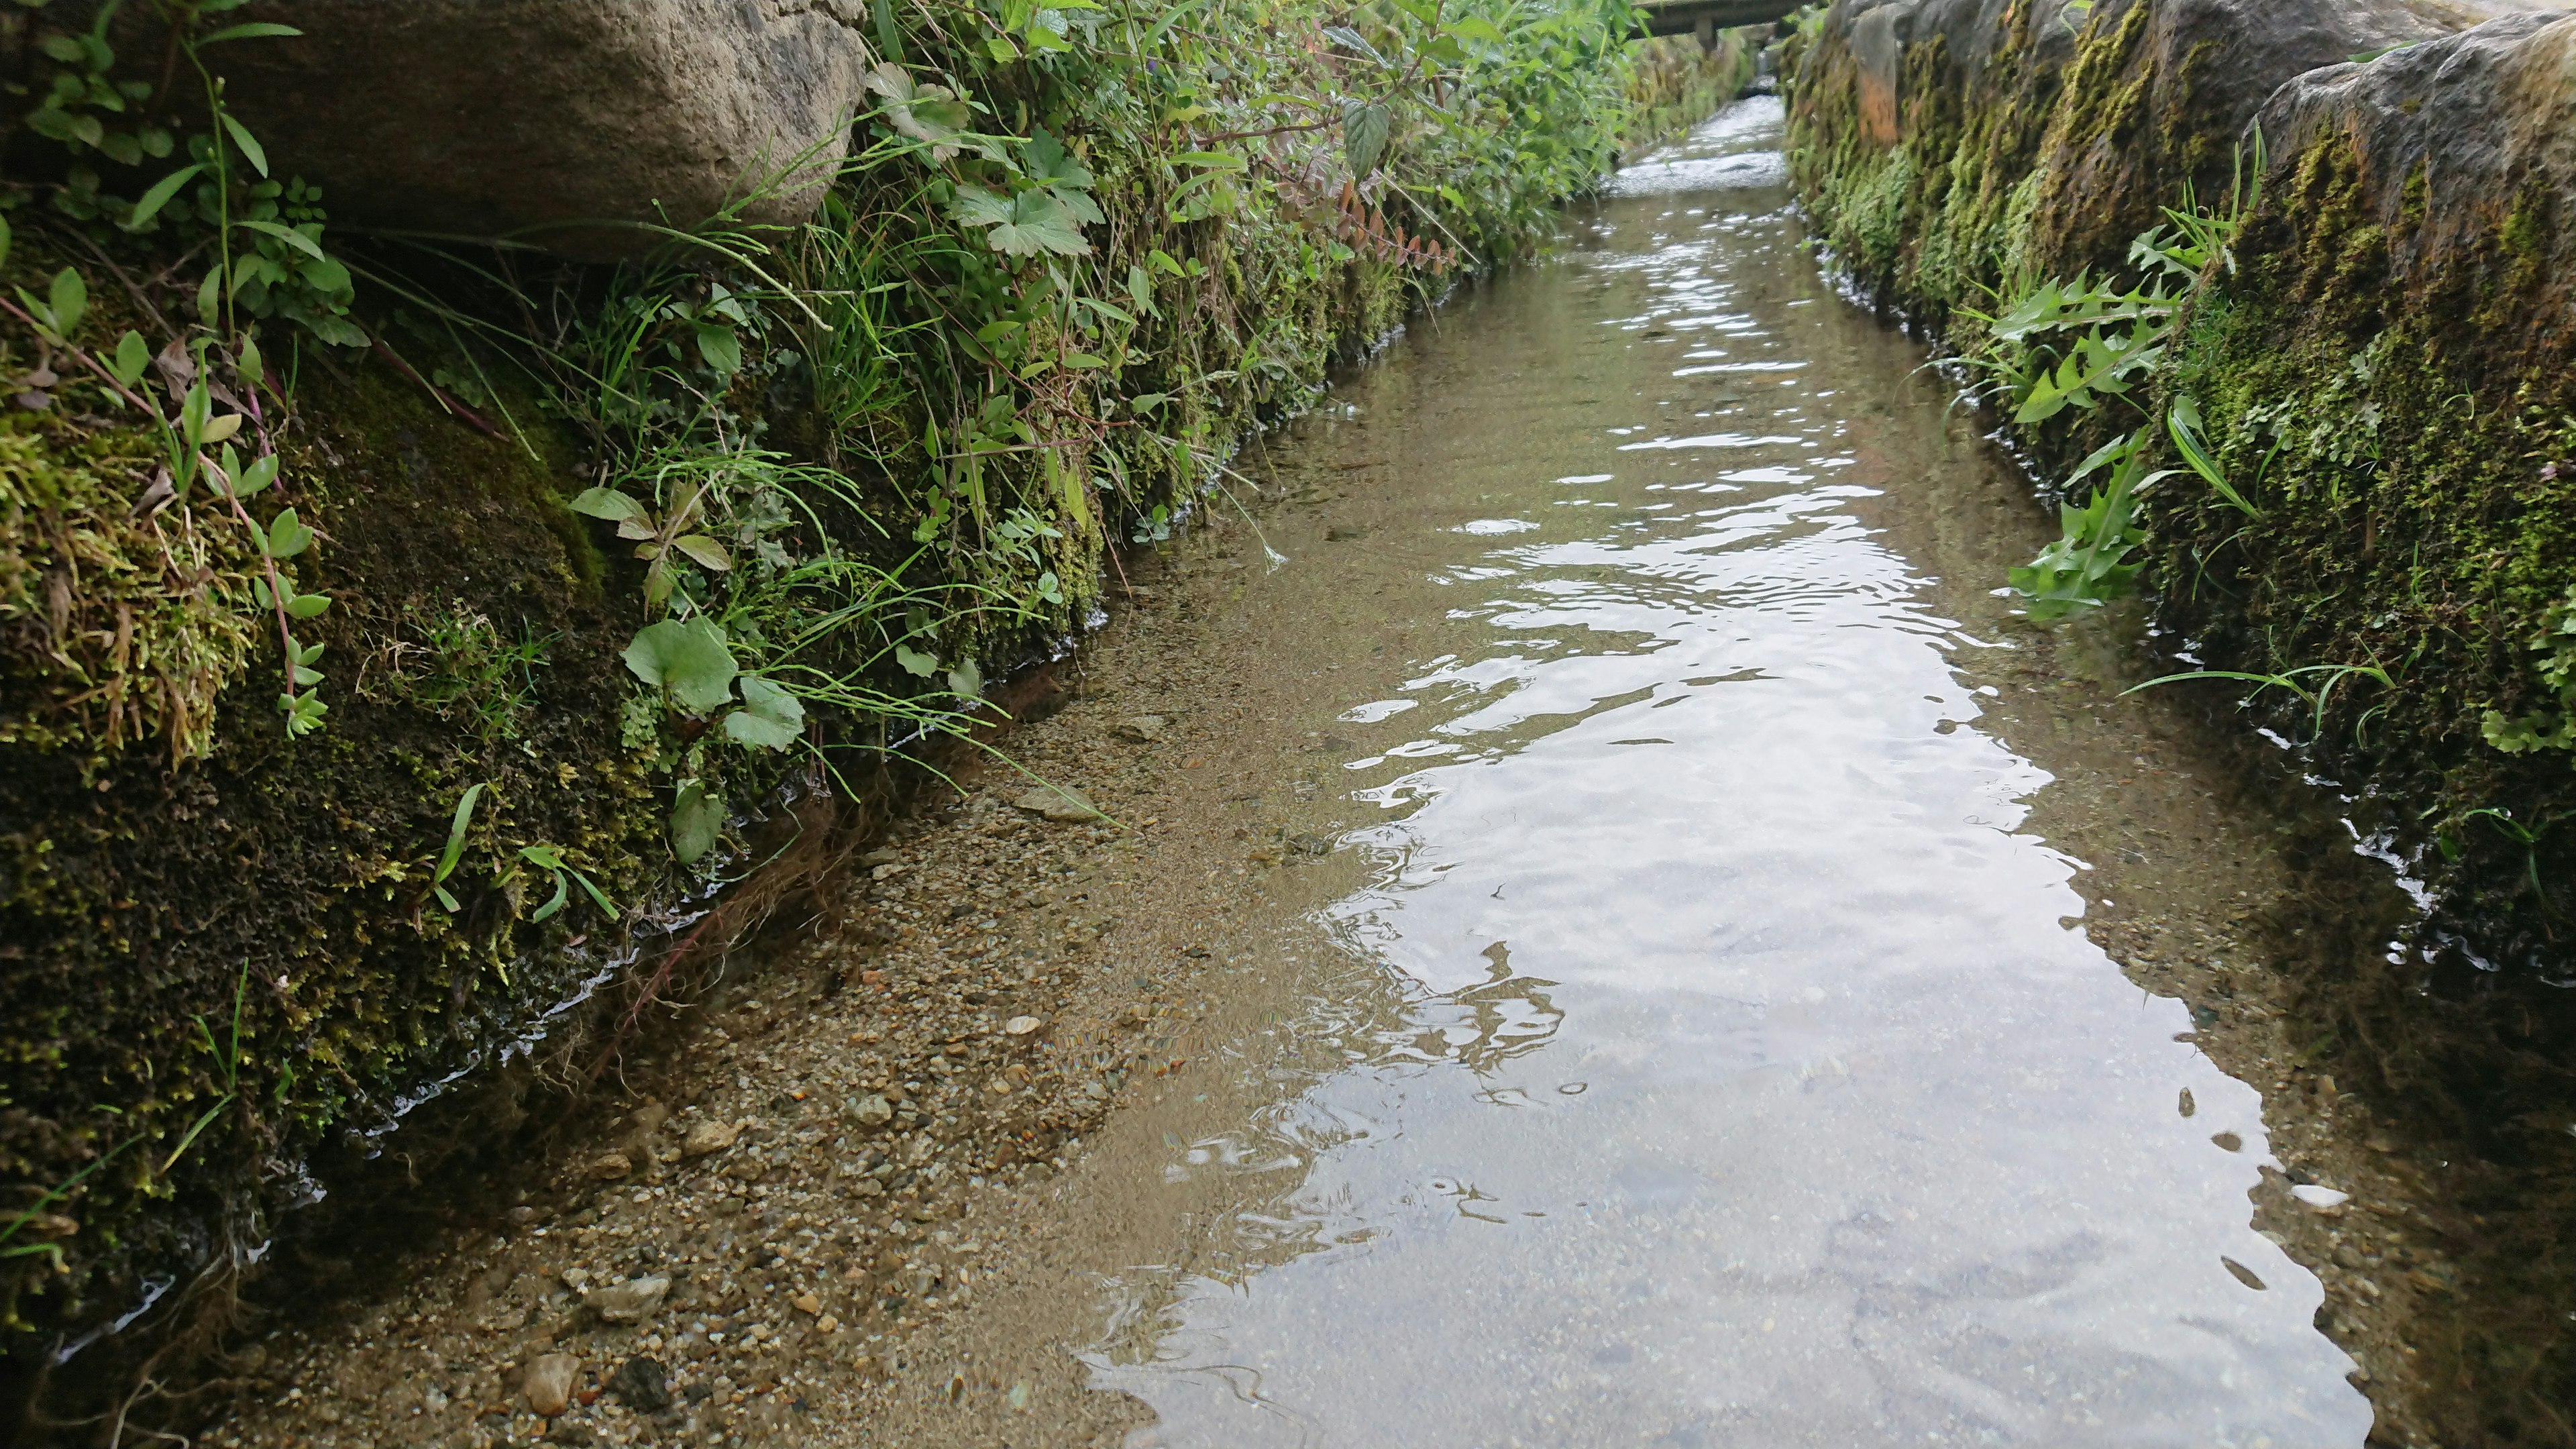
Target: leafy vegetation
[2066,348]
[619,551]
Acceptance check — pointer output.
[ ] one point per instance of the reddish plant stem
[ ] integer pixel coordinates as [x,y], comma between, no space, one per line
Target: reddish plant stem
[440,395]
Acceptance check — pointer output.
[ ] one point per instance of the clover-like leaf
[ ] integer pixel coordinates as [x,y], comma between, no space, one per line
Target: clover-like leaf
[688,659]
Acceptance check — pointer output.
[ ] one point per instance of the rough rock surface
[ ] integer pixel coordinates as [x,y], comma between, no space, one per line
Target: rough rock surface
[627,111]
[1950,144]
[2485,122]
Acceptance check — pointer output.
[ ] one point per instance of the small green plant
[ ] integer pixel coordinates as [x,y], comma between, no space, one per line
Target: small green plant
[2089,564]
[2505,823]
[2182,423]
[2058,345]
[550,859]
[2552,727]
[2314,684]
[454,850]
[469,671]
[35,1220]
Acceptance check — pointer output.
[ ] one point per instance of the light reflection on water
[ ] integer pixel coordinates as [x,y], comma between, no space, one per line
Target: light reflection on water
[1751,1083]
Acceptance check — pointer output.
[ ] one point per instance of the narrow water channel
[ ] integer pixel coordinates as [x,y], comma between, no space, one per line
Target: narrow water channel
[1719,1056]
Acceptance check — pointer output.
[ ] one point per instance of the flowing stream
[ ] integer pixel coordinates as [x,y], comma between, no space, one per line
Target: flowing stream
[1720,1058]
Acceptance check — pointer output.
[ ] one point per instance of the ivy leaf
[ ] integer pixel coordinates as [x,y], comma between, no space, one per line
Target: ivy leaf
[697,818]
[967,680]
[771,718]
[915,662]
[688,659]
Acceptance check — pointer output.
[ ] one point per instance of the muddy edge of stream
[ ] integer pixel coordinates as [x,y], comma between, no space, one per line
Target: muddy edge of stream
[877,1176]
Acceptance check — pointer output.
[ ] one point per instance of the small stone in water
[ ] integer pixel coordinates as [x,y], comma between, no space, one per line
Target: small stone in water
[708,1138]
[873,1111]
[1144,729]
[549,1382]
[628,1302]
[1021,1025]
[2323,1199]
[808,1303]
[610,1166]
[642,1385]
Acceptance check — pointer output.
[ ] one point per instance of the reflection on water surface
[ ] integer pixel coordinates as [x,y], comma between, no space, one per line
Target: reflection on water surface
[1733,1069]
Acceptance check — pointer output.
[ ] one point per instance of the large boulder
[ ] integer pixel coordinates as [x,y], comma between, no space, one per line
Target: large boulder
[541,119]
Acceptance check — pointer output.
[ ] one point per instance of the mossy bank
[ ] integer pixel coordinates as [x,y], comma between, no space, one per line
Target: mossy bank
[2301,271]
[583,585]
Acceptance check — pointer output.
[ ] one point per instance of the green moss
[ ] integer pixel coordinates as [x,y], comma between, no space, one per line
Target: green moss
[2420,511]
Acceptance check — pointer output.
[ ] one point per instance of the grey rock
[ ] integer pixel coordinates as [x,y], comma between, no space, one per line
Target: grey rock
[1144,729]
[1059,804]
[2485,118]
[873,1111]
[628,1302]
[2200,71]
[642,1385]
[531,117]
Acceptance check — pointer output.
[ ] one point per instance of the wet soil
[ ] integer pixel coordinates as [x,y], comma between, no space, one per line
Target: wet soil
[1014,1159]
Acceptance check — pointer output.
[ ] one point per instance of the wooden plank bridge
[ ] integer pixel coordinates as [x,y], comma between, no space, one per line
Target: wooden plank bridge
[1704,18]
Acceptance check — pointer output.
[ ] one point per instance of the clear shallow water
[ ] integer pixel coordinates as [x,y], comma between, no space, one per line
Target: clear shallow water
[1749,1080]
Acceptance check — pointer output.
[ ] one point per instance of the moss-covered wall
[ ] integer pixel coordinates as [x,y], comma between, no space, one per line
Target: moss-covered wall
[2395,358]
